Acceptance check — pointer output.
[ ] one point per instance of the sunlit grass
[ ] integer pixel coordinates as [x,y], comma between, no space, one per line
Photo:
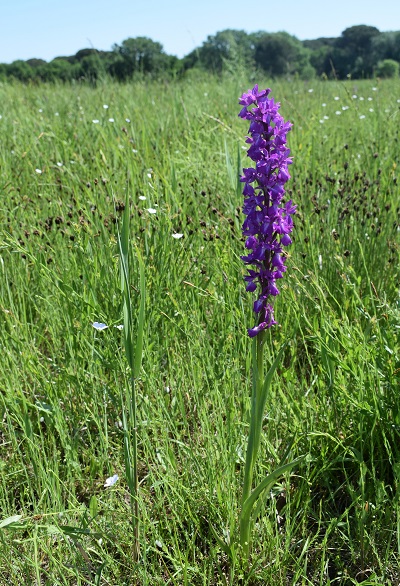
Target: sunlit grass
[172,150]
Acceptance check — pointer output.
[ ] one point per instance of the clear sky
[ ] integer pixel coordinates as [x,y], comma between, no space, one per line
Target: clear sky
[49,28]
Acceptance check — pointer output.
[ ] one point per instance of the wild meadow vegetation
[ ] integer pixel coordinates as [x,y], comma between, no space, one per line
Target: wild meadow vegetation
[70,158]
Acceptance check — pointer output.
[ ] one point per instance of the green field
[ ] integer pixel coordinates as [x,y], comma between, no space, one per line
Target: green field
[67,164]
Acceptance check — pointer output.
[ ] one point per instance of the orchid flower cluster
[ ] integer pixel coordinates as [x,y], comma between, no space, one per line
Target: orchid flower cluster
[268,220]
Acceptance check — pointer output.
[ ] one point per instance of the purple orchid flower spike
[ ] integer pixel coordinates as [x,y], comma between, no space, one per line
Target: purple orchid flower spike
[268,220]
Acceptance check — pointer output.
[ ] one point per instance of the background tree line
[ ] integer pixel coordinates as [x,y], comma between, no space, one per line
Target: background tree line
[360,52]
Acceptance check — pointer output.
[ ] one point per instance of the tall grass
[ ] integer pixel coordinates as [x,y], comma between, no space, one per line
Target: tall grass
[335,519]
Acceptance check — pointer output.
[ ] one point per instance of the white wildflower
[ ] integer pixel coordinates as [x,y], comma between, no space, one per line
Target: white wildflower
[99,326]
[111,481]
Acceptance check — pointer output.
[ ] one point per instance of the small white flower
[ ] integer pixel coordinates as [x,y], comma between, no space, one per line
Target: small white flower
[111,481]
[338,112]
[149,175]
[134,150]
[205,94]
[362,117]
[111,119]
[99,326]
[369,99]
[398,101]
[310,91]
[38,171]
[345,108]
[56,114]
[40,110]
[152,211]
[322,121]
[326,117]
[354,96]
[119,327]
[374,89]
[371,109]
[1,116]
[127,120]
[59,164]
[336,98]
[105,106]
[361,99]
[324,105]
[95,121]
[142,197]
[177,236]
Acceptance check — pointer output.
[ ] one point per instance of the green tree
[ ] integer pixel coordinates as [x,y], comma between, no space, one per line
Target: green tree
[281,54]
[56,70]
[352,54]
[386,46]
[140,55]
[228,49]
[92,67]
[36,63]
[20,70]
[387,68]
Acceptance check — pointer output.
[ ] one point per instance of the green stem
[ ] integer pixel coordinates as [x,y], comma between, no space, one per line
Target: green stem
[135,485]
[253,444]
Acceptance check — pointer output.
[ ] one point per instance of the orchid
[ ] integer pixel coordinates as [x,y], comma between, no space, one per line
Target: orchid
[268,220]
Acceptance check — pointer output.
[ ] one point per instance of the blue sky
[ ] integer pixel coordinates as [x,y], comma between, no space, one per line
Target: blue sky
[49,28]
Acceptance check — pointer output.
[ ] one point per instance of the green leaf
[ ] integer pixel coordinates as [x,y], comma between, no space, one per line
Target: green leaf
[93,507]
[10,521]
[140,326]
[78,531]
[226,548]
[266,484]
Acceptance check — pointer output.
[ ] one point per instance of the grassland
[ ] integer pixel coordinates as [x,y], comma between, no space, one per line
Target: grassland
[67,163]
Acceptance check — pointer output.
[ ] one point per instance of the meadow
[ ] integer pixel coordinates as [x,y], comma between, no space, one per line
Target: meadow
[70,156]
